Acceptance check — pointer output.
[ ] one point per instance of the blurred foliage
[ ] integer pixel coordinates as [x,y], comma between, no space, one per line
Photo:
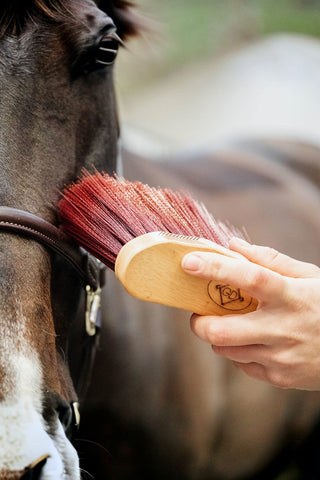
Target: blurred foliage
[183,31]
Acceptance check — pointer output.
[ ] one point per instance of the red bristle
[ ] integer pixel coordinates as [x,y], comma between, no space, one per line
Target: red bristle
[103,212]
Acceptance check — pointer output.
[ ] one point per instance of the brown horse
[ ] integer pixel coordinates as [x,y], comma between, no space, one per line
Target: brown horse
[160,402]
[57,114]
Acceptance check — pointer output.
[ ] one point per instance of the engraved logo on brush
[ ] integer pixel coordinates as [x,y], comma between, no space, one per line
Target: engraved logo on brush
[228,297]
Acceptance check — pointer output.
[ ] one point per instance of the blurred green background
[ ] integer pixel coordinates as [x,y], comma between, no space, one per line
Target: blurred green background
[185,31]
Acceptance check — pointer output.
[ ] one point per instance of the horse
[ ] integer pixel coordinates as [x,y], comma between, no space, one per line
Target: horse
[57,114]
[160,404]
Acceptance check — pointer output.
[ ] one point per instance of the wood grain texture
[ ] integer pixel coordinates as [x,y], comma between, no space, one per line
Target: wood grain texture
[149,267]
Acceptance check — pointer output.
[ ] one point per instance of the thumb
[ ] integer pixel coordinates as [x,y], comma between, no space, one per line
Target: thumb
[273,260]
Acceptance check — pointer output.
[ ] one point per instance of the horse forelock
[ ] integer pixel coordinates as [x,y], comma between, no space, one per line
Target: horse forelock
[14,14]
[124,15]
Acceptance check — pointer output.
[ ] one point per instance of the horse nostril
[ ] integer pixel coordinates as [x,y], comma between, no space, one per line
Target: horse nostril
[33,472]
[57,407]
[65,415]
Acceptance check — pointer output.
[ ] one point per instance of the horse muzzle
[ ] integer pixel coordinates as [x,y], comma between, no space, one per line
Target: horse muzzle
[33,472]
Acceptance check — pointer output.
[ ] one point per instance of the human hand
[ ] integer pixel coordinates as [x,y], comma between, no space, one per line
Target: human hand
[280,341]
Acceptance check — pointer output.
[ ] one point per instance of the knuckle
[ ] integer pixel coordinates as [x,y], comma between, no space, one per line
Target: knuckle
[279,378]
[271,254]
[281,360]
[268,253]
[259,277]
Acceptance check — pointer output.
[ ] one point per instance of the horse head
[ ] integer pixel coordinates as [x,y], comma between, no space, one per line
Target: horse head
[57,115]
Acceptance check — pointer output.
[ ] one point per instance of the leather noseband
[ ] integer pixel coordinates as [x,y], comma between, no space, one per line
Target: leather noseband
[31,226]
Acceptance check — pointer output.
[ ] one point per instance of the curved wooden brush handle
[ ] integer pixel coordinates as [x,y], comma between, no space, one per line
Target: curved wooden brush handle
[149,267]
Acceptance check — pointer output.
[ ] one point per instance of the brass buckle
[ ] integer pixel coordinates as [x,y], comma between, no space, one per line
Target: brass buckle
[93,305]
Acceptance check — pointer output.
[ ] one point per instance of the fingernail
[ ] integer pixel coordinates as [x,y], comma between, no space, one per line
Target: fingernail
[192,262]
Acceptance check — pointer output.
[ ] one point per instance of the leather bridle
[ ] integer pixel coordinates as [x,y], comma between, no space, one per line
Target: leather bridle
[89,269]
[34,227]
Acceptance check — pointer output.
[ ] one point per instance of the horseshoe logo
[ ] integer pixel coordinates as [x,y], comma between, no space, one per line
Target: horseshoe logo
[228,297]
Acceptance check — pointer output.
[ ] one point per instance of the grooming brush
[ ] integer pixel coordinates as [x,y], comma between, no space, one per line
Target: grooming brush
[143,233]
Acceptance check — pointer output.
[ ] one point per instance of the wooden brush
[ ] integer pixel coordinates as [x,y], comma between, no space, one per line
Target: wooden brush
[143,233]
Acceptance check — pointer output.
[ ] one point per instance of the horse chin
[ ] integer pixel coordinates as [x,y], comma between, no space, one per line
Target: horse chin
[25,437]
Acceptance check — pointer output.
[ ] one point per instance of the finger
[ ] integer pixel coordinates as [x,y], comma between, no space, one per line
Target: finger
[276,377]
[258,281]
[244,354]
[270,258]
[254,370]
[234,330]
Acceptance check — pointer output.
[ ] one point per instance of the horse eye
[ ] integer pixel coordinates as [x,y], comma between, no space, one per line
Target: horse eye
[100,55]
[107,49]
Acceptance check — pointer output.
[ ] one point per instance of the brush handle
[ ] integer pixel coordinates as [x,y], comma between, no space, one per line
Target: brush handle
[149,267]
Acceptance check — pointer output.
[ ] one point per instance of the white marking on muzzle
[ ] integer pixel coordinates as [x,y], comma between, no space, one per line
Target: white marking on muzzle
[23,435]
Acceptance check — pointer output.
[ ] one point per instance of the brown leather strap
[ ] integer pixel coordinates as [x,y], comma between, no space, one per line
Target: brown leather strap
[29,225]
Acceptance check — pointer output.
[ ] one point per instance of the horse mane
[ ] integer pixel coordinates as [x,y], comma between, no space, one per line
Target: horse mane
[15,13]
